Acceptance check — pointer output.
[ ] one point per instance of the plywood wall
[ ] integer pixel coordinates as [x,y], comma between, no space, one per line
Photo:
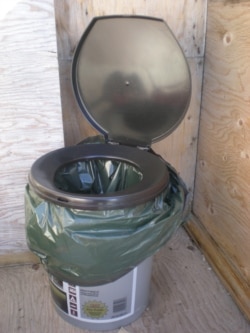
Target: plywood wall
[222,190]
[187,20]
[30,110]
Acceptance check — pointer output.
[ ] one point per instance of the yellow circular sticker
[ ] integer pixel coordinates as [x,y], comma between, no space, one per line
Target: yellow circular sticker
[95,309]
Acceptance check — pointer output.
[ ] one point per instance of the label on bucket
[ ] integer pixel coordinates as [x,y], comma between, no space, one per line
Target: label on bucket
[98,304]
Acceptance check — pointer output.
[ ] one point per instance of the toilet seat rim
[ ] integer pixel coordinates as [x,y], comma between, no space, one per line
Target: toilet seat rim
[155,177]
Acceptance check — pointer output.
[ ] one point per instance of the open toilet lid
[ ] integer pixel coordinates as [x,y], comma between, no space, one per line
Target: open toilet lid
[131,79]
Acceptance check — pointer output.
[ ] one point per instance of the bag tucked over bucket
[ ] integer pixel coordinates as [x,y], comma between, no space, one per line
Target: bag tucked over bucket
[89,247]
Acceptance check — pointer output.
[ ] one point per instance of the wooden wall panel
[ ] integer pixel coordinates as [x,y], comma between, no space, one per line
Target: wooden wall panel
[222,190]
[185,18]
[30,110]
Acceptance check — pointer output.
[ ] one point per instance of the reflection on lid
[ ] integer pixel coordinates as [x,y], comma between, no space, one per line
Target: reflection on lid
[131,78]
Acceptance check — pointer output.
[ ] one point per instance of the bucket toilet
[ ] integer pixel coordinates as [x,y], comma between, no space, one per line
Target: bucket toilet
[94,210]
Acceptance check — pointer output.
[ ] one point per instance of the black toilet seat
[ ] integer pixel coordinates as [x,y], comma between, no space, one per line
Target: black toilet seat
[155,176]
[134,96]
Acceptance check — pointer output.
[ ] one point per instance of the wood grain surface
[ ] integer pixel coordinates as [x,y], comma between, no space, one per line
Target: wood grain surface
[30,109]
[222,191]
[184,17]
[186,297]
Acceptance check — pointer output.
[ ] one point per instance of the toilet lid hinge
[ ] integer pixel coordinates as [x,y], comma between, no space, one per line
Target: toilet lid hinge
[112,142]
[143,147]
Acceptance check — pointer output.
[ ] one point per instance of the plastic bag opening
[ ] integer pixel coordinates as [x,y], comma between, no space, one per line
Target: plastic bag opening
[97,176]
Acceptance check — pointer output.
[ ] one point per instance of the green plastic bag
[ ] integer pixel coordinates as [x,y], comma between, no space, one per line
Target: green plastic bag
[86,247]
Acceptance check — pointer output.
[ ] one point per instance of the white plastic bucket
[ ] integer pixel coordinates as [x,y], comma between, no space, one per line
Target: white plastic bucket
[104,307]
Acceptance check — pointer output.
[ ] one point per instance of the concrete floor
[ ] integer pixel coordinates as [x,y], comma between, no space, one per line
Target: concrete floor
[186,297]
